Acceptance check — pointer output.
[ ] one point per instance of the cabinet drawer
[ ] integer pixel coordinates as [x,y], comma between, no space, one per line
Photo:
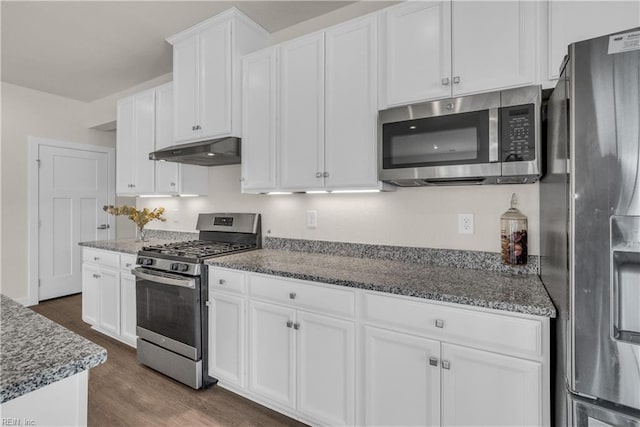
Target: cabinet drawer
[127,262]
[226,280]
[303,295]
[466,326]
[106,258]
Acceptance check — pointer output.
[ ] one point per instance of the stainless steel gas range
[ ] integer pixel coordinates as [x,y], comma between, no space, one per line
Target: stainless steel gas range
[172,292]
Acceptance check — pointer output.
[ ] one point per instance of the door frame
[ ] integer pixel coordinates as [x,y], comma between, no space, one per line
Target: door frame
[33,202]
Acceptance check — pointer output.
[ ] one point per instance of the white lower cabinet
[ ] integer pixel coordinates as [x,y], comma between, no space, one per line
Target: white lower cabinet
[318,352]
[109,293]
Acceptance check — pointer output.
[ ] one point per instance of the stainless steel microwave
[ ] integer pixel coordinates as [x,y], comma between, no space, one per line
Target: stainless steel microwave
[490,138]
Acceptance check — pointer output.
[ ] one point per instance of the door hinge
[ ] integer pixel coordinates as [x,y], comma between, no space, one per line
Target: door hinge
[39,223]
[39,283]
[38,162]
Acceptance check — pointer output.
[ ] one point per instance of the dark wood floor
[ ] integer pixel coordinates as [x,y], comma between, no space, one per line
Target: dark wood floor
[124,393]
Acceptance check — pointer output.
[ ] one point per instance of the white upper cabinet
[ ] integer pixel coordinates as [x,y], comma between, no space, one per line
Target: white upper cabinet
[415,52]
[572,21]
[206,72]
[302,113]
[135,140]
[259,126]
[351,100]
[432,50]
[493,45]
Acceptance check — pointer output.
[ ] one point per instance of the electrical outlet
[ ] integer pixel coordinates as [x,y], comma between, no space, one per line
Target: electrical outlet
[465,223]
[175,216]
[312,219]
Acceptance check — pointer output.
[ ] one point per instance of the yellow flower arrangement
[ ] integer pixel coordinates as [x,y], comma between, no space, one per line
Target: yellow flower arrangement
[140,218]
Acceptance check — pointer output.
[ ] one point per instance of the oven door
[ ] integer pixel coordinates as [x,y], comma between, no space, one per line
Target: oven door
[168,311]
[446,139]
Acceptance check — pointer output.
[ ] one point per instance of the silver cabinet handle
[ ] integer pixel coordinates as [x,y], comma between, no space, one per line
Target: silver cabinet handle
[95,258]
[326,174]
[445,81]
[445,364]
[103,226]
[222,281]
[128,265]
[197,127]
[433,361]
[292,295]
[173,184]
[456,80]
[96,276]
[289,323]
[296,326]
[318,174]
[193,127]
[449,106]
[439,323]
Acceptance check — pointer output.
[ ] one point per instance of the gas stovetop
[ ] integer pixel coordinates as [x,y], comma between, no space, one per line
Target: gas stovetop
[194,250]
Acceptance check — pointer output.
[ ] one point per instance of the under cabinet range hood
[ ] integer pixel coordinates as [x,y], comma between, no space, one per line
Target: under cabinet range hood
[214,152]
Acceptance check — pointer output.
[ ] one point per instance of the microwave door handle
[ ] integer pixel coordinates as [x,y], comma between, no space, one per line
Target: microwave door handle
[493,134]
[165,280]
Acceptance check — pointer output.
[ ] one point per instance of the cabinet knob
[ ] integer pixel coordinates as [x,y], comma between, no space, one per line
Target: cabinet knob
[127,265]
[197,127]
[222,281]
[433,361]
[95,258]
[445,81]
[318,174]
[445,364]
[242,180]
[449,106]
[292,295]
[296,326]
[326,174]
[456,80]
[193,127]
[439,323]
[289,323]
[96,276]
[173,184]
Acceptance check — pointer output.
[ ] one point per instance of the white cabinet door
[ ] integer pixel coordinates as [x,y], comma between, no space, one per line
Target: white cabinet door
[415,53]
[302,113]
[90,293]
[215,81]
[185,79]
[572,21]
[496,55]
[166,172]
[227,338]
[352,108]
[401,386]
[144,142]
[128,308]
[272,352]
[259,82]
[124,147]
[109,300]
[325,368]
[493,389]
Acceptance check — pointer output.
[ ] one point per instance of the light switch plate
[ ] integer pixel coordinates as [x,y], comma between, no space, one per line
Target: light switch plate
[312,219]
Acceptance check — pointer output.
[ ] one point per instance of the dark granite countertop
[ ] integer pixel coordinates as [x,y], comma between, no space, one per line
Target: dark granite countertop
[35,351]
[480,288]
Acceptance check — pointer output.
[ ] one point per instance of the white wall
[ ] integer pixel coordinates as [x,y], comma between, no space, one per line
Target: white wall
[425,217]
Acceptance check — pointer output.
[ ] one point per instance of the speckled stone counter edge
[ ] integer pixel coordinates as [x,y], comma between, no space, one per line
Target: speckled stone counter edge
[131,246]
[171,235]
[475,260]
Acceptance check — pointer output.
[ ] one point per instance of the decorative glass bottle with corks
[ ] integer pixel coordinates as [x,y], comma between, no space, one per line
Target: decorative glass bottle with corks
[513,230]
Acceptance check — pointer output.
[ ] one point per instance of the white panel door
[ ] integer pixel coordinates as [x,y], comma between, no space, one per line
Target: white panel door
[166,172]
[352,107]
[572,21]
[73,188]
[493,389]
[227,338]
[301,155]
[109,300]
[415,53]
[124,147]
[272,352]
[215,81]
[128,308]
[90,293]
[144,142]
[497,55]
[186,90]
[402,387]
[259,82]
[326,368]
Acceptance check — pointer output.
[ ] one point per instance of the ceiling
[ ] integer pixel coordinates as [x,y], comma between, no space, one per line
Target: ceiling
[86,50]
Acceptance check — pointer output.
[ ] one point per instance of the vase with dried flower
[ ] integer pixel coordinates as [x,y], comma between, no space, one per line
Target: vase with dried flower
[140,218]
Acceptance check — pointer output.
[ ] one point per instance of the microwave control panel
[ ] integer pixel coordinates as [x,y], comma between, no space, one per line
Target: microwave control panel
[518,133]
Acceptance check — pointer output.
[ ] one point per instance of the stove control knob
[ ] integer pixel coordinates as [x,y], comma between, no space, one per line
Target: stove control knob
[183,267]
[145,261]
[174,266]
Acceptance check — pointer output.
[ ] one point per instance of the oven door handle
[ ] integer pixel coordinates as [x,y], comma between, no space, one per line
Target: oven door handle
[164,279]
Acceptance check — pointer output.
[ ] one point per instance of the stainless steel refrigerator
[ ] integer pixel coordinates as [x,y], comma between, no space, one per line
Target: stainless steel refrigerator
[590,232]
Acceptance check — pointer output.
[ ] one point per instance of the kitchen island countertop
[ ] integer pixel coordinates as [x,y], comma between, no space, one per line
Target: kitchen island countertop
[127,246]
[501,291]
[36,351]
